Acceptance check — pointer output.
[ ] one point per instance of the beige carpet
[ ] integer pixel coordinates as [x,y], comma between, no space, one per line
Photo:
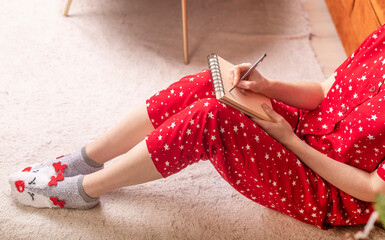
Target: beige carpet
[65,81]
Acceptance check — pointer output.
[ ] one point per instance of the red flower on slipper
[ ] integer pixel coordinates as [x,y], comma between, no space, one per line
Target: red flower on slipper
[20,185]
[27,169]
[59,167]
[54,179]
[56,201]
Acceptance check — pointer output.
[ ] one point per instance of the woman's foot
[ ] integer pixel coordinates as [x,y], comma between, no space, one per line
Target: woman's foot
[77,163]
[46,188]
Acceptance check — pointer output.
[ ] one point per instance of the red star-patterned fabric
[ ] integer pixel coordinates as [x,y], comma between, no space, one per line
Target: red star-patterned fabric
[191,125]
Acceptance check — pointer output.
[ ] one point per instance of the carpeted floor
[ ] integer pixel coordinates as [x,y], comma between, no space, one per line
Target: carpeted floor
[65,81]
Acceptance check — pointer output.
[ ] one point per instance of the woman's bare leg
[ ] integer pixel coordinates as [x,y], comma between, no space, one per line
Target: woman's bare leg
[122,137]
[132,168]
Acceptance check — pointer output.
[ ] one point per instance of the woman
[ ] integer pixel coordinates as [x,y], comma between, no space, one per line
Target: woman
[320,161]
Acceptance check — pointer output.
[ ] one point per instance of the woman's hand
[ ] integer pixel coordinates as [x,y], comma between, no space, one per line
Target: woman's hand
[279,129]
[254,82]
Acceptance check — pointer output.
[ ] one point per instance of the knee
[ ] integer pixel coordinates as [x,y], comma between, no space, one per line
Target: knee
[201,80]
[210,105]
[204,77]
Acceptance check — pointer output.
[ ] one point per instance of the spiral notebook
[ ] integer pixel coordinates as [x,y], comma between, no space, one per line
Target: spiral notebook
[249,104]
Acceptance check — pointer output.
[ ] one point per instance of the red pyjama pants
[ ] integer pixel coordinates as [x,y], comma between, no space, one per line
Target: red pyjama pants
[191,125]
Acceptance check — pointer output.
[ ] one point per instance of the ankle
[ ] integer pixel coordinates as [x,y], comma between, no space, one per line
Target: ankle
[91,159]
[89,188]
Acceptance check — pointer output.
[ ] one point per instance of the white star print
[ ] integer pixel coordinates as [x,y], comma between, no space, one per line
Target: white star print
[267,156]
[181,94]
[351,123]
[167,163]
[370,137]
[160,137]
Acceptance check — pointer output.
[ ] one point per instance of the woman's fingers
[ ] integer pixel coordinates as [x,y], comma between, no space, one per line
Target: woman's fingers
[270,112]
[237,70]
[246,85]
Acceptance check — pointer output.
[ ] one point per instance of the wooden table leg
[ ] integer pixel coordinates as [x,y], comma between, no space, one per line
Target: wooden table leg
[184,23]
[67,8]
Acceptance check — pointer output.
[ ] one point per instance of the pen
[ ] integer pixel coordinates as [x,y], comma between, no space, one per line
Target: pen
[251,68]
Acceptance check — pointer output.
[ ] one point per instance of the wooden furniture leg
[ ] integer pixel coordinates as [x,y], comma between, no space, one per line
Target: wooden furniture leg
[184,24]
[67,8]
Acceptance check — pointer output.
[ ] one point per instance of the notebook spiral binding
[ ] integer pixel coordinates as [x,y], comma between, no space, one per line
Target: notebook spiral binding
[216,75]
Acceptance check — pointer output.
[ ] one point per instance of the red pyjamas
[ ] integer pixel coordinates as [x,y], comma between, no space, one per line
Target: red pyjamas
[191,125]
[348,126]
